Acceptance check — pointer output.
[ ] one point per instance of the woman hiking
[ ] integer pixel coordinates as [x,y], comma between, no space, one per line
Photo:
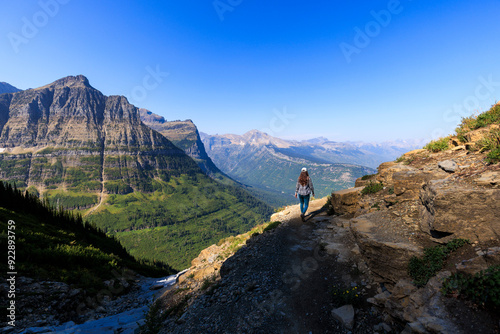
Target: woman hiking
[304,189]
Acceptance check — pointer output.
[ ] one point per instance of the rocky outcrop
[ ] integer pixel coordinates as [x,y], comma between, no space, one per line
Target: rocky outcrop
[385,171]
[455,211]
[422,309]
[408,181]
[427,199]
[387,253]
[489,180]
[364,180]
[346,201]
[482,261]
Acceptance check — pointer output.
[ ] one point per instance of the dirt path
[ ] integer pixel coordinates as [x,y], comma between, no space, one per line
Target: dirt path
[280,283]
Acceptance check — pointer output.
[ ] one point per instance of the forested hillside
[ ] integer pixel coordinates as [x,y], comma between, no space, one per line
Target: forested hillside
[70,144]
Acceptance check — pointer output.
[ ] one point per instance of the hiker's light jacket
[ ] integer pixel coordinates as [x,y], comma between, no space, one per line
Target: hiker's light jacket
[305,190]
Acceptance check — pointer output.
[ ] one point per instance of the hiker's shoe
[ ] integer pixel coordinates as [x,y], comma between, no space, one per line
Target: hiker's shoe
[302,217]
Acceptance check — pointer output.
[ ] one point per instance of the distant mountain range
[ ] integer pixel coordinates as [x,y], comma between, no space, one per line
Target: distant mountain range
[272,164]
[7,88]
[80,149]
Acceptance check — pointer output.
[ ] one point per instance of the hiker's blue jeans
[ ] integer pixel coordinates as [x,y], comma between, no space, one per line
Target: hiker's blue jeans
[304,203]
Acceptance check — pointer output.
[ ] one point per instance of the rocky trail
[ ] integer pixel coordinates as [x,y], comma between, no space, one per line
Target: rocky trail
[282,282]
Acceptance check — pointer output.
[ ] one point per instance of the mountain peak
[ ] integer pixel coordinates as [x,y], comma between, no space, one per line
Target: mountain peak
[318,140]
[70,81]
[150,117]
[7,88]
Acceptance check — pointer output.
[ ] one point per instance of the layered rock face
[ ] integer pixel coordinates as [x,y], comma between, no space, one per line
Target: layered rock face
[68,134]
[460,212]
[185,135]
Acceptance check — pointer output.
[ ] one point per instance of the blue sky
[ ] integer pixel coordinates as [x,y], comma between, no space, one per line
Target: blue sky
[364,70]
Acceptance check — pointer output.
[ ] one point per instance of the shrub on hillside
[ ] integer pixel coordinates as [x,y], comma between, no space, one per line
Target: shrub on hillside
[438,145]
[474,122]
[272,226]
[372,188]
[493,156]
[483,288]
[422,269]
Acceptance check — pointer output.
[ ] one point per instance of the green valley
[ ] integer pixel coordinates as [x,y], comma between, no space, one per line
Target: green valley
[81,150]
[58,245]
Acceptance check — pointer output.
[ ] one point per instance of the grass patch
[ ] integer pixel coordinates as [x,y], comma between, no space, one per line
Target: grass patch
[438,145]
[367,177]
[391,190]
[207,283]
[491,143]
[372,188]
[271,226]
[423,269]
[492,116]
[493,156]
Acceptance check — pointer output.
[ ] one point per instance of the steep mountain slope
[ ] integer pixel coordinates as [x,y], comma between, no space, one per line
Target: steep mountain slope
[185,136]
[7,88]
[273,164]
[69,143]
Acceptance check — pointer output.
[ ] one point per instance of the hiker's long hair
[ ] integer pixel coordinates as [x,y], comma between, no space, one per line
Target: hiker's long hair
[303,178]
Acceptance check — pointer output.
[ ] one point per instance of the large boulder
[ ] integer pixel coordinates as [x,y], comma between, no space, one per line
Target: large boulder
[452,211]
[386,253]
[409,181]
[385,171]
[449,166]
[345,315]
[346,202]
